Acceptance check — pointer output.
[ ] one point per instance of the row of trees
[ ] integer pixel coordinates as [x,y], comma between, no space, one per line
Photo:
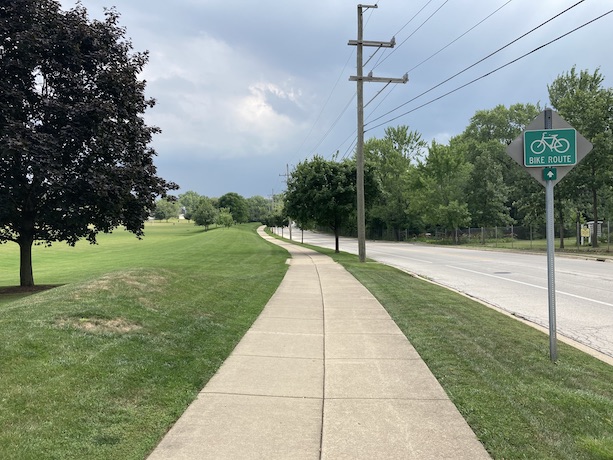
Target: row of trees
[471,181]
[225,211]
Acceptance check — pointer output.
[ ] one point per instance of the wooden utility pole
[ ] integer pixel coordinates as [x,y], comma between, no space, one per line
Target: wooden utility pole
[360,79]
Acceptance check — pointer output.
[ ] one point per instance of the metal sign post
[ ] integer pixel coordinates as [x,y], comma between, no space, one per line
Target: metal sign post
[551,271]
[548,155]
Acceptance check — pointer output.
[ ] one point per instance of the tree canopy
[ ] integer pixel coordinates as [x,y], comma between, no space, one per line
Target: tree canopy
[324,192]
[391,160]
[236,205]
[583,101]
[471,181]
[205,213]
[166,209]
[74,147]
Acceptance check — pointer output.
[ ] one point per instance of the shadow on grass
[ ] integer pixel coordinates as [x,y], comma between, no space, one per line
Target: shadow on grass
[27,289]
[11,293]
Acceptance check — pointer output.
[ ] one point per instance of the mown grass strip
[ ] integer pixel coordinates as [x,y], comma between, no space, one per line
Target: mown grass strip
[497,370]
[100,367]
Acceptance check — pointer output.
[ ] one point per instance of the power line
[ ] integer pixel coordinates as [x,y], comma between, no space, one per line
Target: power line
[334,123]
[479,61]
[326,103]
[414,16]
[455,40]
[328,100]
[414,32]
[401,29]
[443,48]
[491,72]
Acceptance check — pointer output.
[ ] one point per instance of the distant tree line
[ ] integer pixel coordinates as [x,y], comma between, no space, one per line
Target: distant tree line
[225,211]
[471,181]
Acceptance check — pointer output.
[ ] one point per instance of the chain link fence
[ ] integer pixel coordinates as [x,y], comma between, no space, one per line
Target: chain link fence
[518,237]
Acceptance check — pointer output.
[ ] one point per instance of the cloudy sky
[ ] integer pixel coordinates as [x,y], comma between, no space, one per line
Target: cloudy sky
[244,88]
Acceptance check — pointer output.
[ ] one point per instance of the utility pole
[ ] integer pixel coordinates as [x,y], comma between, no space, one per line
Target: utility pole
[360,79]
[286,175]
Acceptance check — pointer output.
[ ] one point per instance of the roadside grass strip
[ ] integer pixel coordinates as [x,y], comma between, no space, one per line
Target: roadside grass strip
[497,371]
[101,366]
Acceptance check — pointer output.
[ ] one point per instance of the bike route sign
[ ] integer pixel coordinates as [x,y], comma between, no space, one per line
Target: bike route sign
[550,147]
[559,148]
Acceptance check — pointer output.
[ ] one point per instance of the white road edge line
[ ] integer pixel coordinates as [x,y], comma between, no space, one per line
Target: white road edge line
[531,285]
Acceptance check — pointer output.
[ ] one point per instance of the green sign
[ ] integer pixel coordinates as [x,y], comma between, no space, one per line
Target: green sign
[550,174]
[550,147]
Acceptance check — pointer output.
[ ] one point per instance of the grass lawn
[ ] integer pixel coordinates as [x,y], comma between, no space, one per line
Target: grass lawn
[100,367]
[497,370]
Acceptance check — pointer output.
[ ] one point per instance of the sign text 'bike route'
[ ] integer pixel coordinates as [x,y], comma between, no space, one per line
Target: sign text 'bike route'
[550,147]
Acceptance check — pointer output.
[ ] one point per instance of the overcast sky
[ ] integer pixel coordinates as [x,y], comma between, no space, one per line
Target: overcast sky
[245,87]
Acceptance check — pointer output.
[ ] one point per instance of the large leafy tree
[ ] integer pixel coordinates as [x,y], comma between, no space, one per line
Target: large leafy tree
[74,154]
[487,194]
[166,209]
[499,190]
[439,186]
[189,201]
[583,101]
[205,213]
[259,208]
[236,205]
[391,160]
[323,192]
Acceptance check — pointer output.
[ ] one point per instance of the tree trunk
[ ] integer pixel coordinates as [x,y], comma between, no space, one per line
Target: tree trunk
[561,224]
[25,261]
[336,232]
[595,229]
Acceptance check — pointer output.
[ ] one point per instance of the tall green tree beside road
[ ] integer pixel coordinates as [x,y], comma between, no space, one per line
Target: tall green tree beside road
[324,192]
[391,160]
[483,143]
[74,154]
[439,188]
[488,195]
[583,101]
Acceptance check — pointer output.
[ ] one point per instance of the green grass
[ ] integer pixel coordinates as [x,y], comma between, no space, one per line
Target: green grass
[497,370]
[100,367]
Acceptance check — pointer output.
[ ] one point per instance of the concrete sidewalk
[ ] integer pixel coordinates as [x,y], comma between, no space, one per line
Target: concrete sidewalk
[325,373]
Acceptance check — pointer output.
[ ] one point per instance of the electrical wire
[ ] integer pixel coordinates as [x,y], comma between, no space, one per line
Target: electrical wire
[328,100]
[491,72]
[479,61]
[455,40]
[439,51]
[401,29]
[414,32]
[335,122]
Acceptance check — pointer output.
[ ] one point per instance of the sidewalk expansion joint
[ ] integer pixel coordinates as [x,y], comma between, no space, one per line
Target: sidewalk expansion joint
[417,358]
[383,399]
[280,357]
[203,392]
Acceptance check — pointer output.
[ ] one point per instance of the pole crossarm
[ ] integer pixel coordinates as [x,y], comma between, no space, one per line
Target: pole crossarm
[360,43]
[370,78]
[374,43]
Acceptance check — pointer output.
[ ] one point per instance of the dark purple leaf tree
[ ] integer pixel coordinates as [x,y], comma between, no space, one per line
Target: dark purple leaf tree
[74,147]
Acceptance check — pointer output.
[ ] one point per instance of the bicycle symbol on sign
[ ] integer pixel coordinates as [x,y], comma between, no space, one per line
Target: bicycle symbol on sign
[550,141]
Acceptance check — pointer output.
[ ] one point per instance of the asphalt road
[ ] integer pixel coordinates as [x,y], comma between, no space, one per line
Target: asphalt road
[515,282]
